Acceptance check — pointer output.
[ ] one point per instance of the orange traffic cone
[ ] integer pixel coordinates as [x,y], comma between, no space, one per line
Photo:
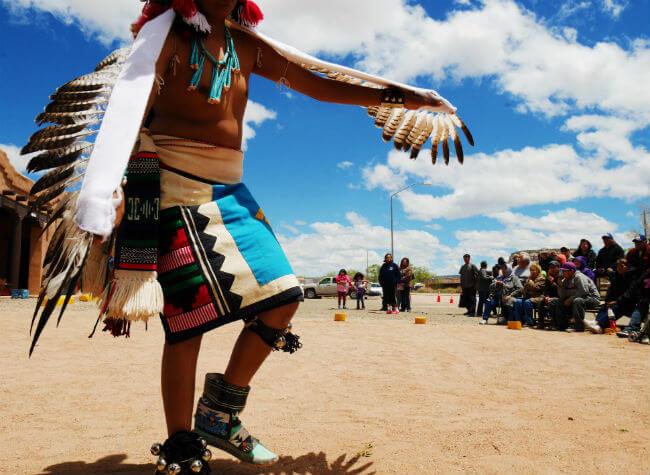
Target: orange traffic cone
[438,299]
[451,299]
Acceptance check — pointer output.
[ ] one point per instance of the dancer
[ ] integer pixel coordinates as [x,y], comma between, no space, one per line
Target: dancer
[193,245]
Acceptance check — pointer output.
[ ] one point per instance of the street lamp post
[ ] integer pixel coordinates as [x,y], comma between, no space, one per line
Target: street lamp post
[392,246]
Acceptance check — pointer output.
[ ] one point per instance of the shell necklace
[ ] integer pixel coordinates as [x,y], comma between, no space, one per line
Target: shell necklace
[222,71]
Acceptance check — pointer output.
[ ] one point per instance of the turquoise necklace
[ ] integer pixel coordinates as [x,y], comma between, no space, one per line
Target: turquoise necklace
[222,71]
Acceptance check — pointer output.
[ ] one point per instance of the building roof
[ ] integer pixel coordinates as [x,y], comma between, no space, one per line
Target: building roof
[15,187]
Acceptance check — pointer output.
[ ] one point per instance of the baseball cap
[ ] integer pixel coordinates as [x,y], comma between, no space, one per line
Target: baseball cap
[568,266]
[607,236]
[639,238]
[554,263]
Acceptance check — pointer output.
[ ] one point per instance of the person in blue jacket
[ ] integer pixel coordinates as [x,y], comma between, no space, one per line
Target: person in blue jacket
[389,276]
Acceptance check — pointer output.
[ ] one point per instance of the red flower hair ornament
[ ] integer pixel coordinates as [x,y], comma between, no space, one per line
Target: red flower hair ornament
[246,13]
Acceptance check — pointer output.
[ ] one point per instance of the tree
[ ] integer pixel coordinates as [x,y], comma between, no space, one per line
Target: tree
[422,274]
[373,273]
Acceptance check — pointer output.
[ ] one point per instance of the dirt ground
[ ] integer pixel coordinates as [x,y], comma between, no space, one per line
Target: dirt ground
[375,394]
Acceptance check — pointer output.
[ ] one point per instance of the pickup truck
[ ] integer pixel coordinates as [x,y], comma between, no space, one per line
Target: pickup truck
[327,287]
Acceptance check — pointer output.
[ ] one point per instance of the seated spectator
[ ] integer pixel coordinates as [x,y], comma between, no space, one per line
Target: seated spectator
[522,270]
[566,252]
[619,300]
[607,256]
[576,293]
[550,298]
[484,280]
[501,292]
[545,258]
[638,258]
[561,258]
[585,249]
[581,265]
[530,295]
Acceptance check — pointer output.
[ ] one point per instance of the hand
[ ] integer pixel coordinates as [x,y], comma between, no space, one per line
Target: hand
[118,199]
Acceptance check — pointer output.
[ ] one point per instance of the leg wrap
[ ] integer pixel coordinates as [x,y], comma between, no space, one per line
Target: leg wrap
[277,339]
[217,420]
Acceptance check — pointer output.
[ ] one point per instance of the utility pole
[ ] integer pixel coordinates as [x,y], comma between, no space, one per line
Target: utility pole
[392,246]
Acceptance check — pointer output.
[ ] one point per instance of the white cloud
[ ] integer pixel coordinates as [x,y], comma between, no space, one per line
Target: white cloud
[108,21]
[613,7]
[344,165]
[330,246]
[18,161]
[547,69]
[300,222]
[256,114]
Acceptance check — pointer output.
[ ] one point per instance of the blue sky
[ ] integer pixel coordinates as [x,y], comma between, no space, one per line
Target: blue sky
[554,95]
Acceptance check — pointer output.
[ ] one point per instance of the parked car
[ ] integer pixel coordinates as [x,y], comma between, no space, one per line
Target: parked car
[324,287]
[374,289]
[418,286]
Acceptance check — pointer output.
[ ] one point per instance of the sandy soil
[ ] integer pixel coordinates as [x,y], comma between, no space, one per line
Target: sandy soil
[375,394]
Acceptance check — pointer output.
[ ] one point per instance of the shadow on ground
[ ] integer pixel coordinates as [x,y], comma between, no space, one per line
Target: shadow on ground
[312,463]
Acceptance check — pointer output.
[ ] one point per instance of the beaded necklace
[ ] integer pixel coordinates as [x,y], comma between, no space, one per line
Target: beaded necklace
[222,71]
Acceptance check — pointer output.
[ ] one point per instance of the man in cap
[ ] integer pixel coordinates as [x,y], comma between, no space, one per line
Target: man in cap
[576,293]
[608,255]
[638,258]
[468,283]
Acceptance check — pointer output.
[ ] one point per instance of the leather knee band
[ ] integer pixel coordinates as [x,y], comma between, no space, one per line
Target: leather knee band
[277,339]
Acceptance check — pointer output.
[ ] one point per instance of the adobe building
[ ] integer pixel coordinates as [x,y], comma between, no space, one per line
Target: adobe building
[22,243]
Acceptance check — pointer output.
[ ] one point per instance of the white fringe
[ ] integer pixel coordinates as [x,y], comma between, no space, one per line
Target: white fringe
[136,295]
[199,22]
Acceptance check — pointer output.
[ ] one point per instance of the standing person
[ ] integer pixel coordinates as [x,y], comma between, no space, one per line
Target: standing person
[608,255]
[468,283]
[585,249]
[484,280]
[389,276]
[198,249]
[360,285]
[404,285]
[343,284]
[566,252]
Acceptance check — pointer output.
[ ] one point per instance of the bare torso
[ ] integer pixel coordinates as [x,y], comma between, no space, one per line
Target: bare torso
[187,114]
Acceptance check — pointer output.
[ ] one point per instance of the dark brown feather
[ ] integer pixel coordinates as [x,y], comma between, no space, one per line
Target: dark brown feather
[445,151]
[459,149]
[58,130]
[52,179]
[75,106]
[434,152]
[115,57]
[52,143]
[415,151]
[467,133]
[48,196]
[59,157]
[67,118]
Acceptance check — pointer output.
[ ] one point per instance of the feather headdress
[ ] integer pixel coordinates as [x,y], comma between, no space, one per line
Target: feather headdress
[246,13]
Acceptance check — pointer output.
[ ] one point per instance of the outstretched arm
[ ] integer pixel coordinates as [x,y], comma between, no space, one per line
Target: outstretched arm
[275,67]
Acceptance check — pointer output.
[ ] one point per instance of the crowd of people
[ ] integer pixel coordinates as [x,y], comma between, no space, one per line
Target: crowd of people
[396,284]
[558,290]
